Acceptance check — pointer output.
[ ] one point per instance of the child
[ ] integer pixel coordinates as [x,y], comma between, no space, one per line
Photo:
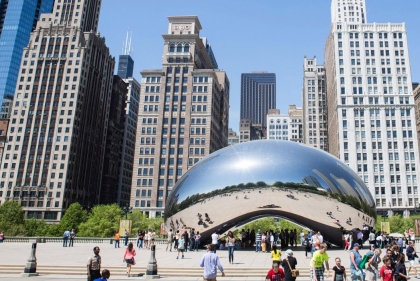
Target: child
[339,272]
[181,244]
[105,275]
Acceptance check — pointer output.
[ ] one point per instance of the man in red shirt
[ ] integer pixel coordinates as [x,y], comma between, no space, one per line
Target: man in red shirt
[386,272]
[275,274]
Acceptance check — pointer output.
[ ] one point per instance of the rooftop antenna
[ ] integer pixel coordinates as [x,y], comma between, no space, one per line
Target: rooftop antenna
[127,43]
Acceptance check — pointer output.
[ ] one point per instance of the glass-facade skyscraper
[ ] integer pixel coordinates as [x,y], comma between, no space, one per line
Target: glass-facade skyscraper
[17,20]
[258,95]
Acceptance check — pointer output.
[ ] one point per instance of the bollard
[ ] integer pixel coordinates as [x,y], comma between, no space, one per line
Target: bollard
[151,270]
[30,269]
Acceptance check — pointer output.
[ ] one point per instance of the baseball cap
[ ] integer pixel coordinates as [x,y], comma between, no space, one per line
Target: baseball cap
[356,245]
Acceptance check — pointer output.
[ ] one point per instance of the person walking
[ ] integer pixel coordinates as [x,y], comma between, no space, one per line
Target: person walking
[105,275]
[94,265]
[339,272]
[387,273]
[411,256]
[289,264]
[197,237]
[275,273]
[258,238]
[302,237]
[230,241]
[215,241]
[170,240]
[129,257]
[72,235]
[271,240]
[126,235]
[181,246]
[210,262]
[371,271]
[355,259]
[319,258]
[1,237]
[308,246]
[276,255]
[66,236]
[117,240]
[400,269]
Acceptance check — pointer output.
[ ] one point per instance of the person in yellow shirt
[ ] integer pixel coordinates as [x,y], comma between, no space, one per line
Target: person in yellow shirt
[317,264]
[276,255]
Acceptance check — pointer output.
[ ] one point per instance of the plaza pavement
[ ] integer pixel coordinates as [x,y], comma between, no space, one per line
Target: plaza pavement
[53,254]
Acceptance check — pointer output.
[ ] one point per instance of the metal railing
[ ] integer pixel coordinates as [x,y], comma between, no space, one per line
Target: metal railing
[93,240]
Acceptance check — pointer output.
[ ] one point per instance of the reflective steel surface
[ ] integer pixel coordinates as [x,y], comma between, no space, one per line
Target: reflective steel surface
[270,178]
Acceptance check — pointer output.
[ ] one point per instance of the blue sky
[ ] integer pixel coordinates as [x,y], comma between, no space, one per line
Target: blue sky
[247,35]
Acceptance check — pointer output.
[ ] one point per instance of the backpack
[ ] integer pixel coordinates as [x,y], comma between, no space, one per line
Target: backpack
[364,261]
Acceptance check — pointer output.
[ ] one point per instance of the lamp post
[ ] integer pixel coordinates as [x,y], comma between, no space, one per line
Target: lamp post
[127,210]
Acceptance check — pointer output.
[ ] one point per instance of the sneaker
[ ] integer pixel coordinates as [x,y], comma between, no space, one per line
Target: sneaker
[182,257]
[176,257]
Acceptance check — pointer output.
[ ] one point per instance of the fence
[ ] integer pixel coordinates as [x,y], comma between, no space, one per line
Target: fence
[91,240]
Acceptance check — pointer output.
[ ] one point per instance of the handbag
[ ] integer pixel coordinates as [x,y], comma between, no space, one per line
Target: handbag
[295,272]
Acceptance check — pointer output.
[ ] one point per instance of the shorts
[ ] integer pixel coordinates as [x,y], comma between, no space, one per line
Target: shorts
[129,261]
[319,272]
[412,264]
[181,250]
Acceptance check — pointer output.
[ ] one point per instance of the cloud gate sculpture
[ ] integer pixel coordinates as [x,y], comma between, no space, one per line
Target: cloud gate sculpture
[270,178]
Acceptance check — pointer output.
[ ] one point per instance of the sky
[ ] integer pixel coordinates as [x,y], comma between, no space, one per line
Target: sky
[248,35]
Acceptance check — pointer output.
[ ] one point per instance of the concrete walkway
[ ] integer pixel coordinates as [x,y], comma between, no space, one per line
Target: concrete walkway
[53,254]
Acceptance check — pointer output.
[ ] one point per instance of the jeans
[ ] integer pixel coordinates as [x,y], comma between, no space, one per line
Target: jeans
[312,249]
[116,242]
[126,240]
[71,242]
[65,239]
[258,246]
[197,243]
[191,245]
[140,244]
[230,251]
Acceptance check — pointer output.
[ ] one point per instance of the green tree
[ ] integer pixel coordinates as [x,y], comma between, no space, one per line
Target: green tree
[11,218]
[103,221]
[73,217]
[141,222]
[34,227]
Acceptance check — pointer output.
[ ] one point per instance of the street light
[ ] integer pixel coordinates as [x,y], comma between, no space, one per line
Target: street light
[126,210]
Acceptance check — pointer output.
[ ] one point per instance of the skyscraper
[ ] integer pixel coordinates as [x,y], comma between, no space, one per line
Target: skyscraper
[258,95]
[17,21]
[183,115]
[371,118]
[126,62]
[58,125]
[314,105]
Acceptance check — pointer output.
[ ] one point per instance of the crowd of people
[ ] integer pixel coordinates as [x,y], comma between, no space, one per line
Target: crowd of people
[391,266]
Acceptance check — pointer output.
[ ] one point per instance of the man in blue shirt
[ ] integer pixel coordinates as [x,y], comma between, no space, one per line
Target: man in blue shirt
[66,236]
[210,261]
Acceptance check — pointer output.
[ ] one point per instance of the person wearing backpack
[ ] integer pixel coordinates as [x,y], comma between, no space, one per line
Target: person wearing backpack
[356,272]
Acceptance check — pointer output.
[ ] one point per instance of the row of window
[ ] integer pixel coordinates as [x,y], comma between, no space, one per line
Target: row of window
[377,123]
[370,35]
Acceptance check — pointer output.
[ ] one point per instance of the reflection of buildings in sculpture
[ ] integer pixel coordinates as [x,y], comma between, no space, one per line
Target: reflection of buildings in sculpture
[311,180]
[346,189]
[331,186]
[357,186]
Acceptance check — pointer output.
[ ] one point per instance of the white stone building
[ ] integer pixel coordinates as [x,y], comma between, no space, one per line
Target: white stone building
[371,118]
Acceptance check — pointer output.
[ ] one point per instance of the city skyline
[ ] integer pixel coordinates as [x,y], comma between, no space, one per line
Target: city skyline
[268,50]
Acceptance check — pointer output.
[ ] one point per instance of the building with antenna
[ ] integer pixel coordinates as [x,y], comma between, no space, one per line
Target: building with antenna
[126,63]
